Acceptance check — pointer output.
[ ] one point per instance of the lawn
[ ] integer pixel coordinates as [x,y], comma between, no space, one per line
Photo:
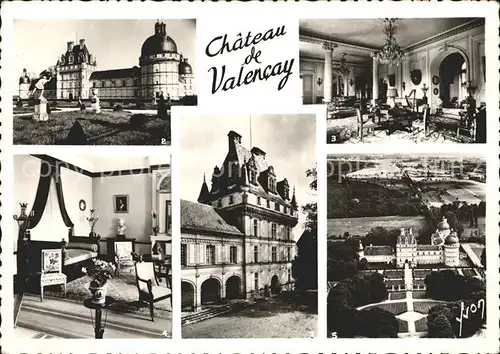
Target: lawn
[106,128]
[361,226]
[397,295]
[421,325]
[423,307]
[403,326]
[268,318]
[396,308]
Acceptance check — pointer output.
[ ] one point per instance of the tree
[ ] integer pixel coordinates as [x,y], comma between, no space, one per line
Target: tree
[305,265]
[438,326]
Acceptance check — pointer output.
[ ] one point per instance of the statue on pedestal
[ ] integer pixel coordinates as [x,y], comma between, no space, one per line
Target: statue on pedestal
[94,100]
[40,101]
[120,229]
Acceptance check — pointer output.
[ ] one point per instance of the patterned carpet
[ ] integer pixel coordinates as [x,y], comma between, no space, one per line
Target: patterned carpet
[123,289]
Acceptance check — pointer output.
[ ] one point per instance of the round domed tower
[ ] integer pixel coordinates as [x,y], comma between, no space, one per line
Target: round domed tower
[24,85]
[187,77]
[451,250]
[159,63]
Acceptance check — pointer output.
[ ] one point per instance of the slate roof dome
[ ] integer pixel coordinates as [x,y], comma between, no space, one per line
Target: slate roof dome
[451,239]
[185,68]
[158,43]
[443,225]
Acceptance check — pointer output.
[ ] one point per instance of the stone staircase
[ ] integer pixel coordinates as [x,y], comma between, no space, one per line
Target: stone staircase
[216,310]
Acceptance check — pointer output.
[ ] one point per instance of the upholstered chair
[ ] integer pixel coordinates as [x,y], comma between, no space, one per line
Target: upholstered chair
[148,286]
[51,270]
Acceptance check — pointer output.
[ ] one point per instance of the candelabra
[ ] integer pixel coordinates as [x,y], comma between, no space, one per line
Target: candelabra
[425,89]
[92,220]
[23,219]
[156,228]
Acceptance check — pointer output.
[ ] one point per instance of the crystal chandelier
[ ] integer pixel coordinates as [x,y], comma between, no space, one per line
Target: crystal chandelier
[342,69]
[391,52]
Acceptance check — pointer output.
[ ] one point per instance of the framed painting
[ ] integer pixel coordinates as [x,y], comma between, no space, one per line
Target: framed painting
[120,203]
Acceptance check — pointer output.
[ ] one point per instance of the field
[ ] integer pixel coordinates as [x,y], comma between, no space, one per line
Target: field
[444,192]
[106,128]
[361,226]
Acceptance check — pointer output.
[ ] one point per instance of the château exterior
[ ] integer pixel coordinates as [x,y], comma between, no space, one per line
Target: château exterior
[237,240]
[444,249]
[162,69]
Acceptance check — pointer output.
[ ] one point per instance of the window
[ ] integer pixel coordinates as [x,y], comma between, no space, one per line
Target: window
[233,254]
[256,281]
[184,254]
[231,199]
[289,275]
[288,254]
[124,83]
[273,254]
[70,59]
[93,84]
[258,200]
[234,170]
[219,203]
[268,203]
[288,233]
[273,230]
[210,254]
[287,192]
[255,227]
[276,207]
[255,254]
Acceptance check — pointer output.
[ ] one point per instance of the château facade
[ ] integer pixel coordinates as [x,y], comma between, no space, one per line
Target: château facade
[237,240]
[162,69]
[444,249]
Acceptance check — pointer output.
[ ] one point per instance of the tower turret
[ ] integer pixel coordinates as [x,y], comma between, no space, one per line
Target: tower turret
[204,196]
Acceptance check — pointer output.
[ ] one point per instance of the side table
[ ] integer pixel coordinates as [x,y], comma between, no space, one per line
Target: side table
[98,326]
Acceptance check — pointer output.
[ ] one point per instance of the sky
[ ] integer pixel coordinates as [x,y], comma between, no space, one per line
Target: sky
[289,142]
[116,44]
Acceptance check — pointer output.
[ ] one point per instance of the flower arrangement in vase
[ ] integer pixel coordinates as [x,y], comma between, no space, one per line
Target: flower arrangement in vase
[100,272]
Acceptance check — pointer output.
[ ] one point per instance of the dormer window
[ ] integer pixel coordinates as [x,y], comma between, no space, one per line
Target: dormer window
[253,177]
[268,204]
[70,59]
[233,170]
[231,199]
[272,184]
[219,203]
[286,192]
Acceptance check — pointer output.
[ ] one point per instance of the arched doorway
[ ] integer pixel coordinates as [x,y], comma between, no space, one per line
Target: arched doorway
[452,77]
[210,291]
[233,286]
[275,285]
[70,96]
[187,296]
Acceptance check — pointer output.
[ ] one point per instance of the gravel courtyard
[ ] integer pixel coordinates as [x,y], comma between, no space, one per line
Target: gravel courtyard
[268,318]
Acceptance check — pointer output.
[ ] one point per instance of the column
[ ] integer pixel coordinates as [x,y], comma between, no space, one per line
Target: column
[375,81]
[338,85]
[346,84]
[328,75]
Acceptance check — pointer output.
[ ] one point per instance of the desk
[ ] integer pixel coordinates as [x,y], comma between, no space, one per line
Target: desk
[98,327]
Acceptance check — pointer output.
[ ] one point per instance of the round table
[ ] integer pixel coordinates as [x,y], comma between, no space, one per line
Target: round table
[98,328]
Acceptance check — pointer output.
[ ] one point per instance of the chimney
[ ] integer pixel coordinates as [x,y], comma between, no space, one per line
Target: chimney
[258,152]
[233,140]
[82,43]
[157,27]
[163,29]
[70,46]
[402,231]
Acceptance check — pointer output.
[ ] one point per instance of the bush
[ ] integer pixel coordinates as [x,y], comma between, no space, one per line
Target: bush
[117,107]
[83,107]
[140,105]
[138,120]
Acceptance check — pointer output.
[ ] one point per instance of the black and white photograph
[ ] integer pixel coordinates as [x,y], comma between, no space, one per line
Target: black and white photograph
[406,246]
[83,268]
[248,226]
[101,82]
[393,80]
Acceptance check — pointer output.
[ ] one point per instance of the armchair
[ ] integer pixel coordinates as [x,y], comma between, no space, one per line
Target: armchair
[148,286]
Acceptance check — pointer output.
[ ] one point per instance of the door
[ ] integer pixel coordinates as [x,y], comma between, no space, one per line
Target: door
[307,89]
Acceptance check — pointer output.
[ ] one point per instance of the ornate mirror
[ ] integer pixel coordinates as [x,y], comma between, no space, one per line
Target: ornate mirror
[416,77]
